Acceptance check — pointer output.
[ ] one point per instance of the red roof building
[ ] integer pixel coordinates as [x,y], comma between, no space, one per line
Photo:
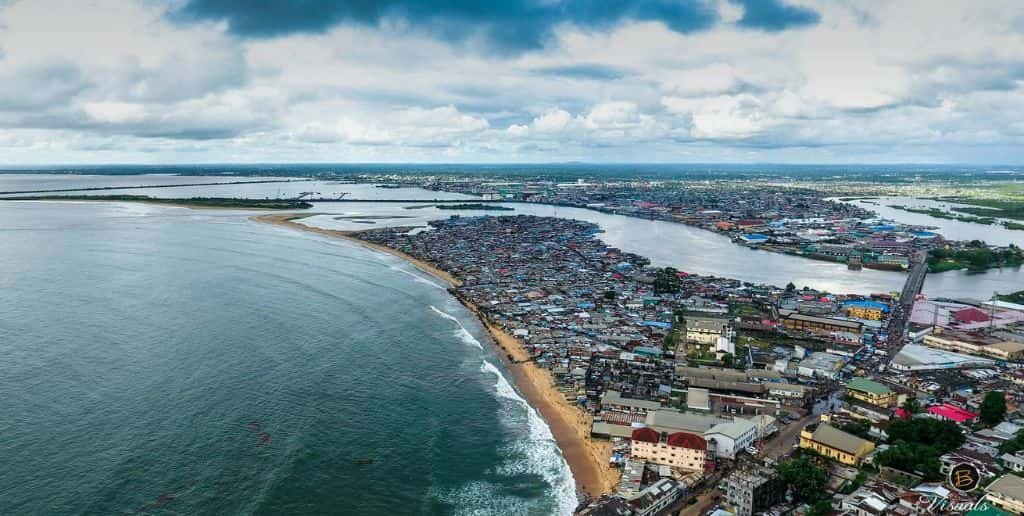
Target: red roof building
[951,413]
[970,315]
[647,435]
[687,440]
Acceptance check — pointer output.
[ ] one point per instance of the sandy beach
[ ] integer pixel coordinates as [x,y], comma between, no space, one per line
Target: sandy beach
[587,458]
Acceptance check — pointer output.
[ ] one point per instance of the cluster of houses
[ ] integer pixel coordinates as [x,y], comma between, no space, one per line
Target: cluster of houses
[786,220]
[665,364]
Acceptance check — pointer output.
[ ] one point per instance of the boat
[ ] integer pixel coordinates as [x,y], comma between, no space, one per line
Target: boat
[364,461]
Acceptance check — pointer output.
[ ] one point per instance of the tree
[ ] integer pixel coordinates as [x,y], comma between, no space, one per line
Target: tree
[912,406]
[727,360]
[1014,444]
[859,427]
[805,479]
[666,281]
[913,458]
[790,287]
[993,408]
[944,436]
[820,508]
[609,294]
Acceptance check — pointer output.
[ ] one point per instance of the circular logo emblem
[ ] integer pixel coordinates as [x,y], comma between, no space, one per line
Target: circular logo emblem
[964,477]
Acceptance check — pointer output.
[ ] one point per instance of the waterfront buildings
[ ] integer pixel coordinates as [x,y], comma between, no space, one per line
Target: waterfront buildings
[975,344]
[836,444]
[869,310]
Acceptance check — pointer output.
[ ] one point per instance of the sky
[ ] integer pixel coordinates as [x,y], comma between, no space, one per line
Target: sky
[449,81]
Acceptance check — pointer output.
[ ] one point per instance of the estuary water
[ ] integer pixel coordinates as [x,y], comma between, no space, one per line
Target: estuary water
[162,360]
[689,249]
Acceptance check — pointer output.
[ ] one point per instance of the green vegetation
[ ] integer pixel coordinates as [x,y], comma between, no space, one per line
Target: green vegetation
[941,214]
[976,257]
[912,406]
[474,206]
[913,458]
[859,427]
[1013,225]
[805,478]
[917,445]
[666,281]
[727,360]
[819,508]
[992,208]
[1016,297]
[1015,444]
[202,202]
[993,408]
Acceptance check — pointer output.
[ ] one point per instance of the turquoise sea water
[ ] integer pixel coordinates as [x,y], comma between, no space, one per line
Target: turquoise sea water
[161,360]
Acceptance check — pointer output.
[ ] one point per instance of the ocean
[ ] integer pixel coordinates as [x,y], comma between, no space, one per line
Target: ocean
[161,360]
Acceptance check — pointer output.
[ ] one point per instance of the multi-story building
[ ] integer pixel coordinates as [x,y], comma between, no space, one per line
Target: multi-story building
[974,344]
[818,325]
[834,443]
[871,392]
[655,498]
[681,450]
[1007,493]
[707,330]
[752,489]
[870,310]
[726,440]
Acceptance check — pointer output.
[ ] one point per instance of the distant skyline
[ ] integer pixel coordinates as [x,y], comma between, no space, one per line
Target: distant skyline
[541,81]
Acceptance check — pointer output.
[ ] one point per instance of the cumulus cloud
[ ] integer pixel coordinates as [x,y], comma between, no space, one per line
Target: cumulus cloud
[531,80]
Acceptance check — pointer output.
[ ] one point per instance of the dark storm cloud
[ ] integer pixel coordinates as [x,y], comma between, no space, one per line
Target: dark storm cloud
[506,26]
[595,72]
[775,15]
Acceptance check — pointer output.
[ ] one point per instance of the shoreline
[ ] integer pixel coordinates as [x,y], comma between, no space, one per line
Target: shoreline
[588,459]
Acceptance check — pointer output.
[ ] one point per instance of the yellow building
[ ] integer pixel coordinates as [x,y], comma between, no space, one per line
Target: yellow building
[833,443]
[871,392]
[870,313]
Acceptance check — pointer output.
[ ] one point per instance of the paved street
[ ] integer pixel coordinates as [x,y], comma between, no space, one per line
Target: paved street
[789,435]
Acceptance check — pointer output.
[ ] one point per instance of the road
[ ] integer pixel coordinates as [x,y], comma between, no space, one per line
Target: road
[897,325]
[789,435]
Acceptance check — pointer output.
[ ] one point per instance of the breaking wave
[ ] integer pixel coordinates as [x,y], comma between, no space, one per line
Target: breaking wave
[462,333]
[418,278]
[537,451]
[530,451]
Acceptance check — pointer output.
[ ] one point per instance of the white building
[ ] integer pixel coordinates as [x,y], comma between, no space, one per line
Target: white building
[728,439]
